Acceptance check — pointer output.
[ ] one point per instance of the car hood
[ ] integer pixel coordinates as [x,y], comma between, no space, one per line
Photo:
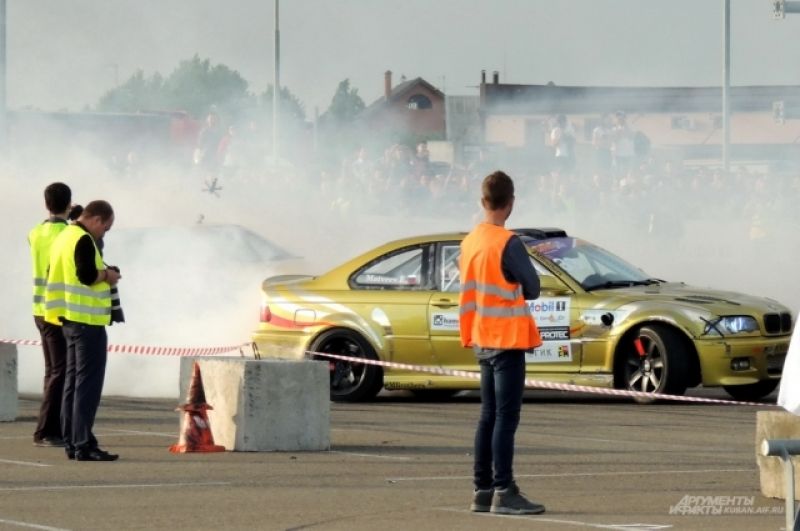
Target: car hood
[715,301]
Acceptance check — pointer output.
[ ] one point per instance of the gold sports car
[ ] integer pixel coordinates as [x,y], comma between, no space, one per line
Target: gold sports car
[604,322]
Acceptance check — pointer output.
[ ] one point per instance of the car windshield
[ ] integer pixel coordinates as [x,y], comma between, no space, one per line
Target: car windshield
[592,266]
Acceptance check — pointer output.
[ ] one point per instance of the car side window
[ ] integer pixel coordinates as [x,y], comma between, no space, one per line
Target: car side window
[449,276]
[401,270]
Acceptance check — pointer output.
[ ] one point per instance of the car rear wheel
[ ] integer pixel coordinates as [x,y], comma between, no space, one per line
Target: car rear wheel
[751,392]
[654,361]
[350,381]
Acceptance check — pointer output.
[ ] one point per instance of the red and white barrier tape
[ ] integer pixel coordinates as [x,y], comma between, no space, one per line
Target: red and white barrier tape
[539,383]
[148,350]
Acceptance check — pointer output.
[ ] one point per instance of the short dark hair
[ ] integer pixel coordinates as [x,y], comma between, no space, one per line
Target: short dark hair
[497,190]
[57,197]
[100,208]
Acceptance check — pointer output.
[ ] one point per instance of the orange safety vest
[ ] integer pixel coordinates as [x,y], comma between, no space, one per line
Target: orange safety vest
[494,313]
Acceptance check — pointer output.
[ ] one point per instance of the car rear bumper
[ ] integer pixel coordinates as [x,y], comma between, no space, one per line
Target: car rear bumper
[764,357]
[272,344]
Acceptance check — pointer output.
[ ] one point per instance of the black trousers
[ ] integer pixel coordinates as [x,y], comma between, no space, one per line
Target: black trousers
[86,371]
[54,347]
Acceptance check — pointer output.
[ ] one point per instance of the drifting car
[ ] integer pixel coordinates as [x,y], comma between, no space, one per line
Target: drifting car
[603,321]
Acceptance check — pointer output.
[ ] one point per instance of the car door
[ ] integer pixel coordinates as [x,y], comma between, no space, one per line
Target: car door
[443,310]
[557,317]
[392,293]
[553,312]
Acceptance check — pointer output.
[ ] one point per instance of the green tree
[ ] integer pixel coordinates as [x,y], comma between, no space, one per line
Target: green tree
[136,94]
[345,106]
[194,86]
[339,128]
[290,105]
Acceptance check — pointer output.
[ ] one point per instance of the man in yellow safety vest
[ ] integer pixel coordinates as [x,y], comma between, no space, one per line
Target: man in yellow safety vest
[78,295]
[57,199]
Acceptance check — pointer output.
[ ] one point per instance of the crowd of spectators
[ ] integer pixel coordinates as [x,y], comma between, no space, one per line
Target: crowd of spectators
[652,197]
[612,179]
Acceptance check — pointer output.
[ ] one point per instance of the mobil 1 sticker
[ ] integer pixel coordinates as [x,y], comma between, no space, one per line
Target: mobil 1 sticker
[554,333]
[550,311]
[444,321]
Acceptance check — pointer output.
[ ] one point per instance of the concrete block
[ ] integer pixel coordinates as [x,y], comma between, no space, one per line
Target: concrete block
[264,405]
[776,425]
[9,397]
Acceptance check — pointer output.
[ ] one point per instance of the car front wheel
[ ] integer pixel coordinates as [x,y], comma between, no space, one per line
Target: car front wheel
[350,381]
[654,361]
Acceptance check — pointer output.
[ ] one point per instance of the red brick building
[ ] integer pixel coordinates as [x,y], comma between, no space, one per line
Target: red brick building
[412,110]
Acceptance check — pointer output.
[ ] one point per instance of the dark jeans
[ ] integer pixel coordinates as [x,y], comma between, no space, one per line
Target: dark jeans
[54,347]
[502,384]
[86,370]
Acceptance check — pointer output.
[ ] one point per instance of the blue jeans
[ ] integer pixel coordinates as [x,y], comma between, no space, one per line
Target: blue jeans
[502,384]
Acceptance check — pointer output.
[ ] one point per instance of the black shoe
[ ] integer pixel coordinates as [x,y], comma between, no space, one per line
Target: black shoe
[49,442]
[70,454]
[95,454]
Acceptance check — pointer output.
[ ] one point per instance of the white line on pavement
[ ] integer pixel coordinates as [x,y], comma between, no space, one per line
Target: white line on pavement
[378,456]
[31,526]
[109,431]
[126,486]
[23,463]
[535,519]
[580,474]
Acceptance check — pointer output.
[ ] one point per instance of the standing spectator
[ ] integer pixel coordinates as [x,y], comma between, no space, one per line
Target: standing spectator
[562,138]
[602,139]
[422,159]
[496,279]
[361,167]
[207,152]
[78,296]
[57,199]
[622,146]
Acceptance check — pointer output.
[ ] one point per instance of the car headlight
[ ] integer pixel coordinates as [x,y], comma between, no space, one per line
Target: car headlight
[733,324]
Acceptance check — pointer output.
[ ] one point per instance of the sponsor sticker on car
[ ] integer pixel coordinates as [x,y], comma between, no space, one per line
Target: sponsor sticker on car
[552,318]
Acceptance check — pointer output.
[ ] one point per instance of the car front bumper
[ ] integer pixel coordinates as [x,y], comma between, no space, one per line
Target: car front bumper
[764,357]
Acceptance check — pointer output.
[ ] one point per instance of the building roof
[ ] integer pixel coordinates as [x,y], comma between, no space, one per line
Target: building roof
[500,98]
[401,91]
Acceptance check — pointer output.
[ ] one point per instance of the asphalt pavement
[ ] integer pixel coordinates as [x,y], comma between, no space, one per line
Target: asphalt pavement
[399,463]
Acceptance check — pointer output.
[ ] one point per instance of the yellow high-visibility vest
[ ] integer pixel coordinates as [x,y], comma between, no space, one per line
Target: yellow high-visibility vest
[67,297]
[41,239]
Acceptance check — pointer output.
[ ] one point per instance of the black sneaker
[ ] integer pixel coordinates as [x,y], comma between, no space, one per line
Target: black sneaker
[481,500]
[95,454]
[511,501]
[53,442]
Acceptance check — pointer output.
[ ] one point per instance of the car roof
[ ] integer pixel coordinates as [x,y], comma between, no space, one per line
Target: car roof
[527,233]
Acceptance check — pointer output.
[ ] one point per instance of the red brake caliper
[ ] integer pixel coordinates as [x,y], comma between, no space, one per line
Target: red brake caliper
[639,347]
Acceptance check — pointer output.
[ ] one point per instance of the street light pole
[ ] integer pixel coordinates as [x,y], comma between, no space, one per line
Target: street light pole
[726,84]
[276,87]
[3,84]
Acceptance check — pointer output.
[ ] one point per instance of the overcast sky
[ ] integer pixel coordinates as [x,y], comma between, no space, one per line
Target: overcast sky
[63,54]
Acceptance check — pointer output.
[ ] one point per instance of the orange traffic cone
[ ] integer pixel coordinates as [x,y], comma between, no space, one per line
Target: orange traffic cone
[196,434]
